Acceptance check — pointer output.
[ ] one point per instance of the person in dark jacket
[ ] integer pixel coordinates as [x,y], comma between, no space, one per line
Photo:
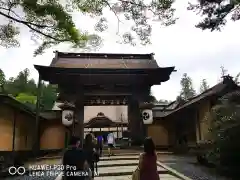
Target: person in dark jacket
[100,144]
[90,151]
[74,156]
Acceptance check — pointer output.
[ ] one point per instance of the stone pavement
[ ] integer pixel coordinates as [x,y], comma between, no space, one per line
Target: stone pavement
[121,168]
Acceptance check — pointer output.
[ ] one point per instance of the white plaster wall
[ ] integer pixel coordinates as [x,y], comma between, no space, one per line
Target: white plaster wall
[112,112]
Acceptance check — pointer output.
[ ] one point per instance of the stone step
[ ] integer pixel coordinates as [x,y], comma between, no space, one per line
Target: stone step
[117,165]
[129,177]
[115,158]
[124,170]
[118,162]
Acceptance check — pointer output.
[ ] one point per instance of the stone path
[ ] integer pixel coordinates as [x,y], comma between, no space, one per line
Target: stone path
[121,168]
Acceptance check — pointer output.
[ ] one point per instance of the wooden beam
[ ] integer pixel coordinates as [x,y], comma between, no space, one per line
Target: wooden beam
[14,130]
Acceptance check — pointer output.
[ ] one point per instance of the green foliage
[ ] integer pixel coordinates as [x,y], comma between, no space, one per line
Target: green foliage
[225,130]
[49,96]
[187,90]
[50,22]
[215,13]
[24,90]
[26,98]
[2,81]
[204,86]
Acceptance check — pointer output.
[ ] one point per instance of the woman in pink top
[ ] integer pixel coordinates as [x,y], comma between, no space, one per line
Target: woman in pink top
[148,161]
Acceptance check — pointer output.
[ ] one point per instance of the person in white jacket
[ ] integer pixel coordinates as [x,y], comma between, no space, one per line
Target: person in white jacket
[111,142]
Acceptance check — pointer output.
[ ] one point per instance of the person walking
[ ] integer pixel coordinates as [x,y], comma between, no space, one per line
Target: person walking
[90,152]
[100,144]
[74,156]
[148,161]
[111,141]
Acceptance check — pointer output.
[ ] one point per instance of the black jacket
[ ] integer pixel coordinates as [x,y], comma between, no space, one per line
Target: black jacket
[73,158]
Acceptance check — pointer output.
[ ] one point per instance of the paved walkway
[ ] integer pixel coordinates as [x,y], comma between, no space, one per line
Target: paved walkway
[121,168]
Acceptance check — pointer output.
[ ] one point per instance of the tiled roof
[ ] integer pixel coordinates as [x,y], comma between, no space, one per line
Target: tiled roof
[11,101]
[220,89]
[99,60]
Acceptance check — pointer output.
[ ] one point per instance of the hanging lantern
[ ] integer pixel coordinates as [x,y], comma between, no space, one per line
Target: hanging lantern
[67,117]
[67,114]
[147,116]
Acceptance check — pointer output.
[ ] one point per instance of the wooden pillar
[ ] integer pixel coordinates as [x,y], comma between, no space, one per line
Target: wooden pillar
[79,114]
[134,121]
[36,145]
[14,130]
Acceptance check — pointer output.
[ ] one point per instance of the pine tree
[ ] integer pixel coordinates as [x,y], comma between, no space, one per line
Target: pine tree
[204,86]
[2,81]
[187,90]
[223,71]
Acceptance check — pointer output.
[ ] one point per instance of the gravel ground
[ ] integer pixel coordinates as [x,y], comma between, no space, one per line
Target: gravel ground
[189,167]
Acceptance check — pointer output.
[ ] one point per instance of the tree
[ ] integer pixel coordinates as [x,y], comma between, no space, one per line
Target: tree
[151,98]
[51,23]
[216,12]
[236,79]
[49,96]
[223,71]
[187,90]
[26,98]
[204,86]
[2,81]
[24,90]
[224,132]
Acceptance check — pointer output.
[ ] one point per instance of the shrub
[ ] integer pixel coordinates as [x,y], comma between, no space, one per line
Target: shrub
[225,132]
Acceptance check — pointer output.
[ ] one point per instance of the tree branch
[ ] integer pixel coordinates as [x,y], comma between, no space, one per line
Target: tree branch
[30,27]
[114,13]
[21,21]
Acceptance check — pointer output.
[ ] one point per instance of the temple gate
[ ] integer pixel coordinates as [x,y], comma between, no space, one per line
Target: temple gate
[87,79]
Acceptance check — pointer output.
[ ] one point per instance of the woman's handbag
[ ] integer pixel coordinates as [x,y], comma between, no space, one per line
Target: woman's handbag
[136,174]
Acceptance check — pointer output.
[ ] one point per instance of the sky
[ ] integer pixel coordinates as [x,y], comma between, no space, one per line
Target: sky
[198,53]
